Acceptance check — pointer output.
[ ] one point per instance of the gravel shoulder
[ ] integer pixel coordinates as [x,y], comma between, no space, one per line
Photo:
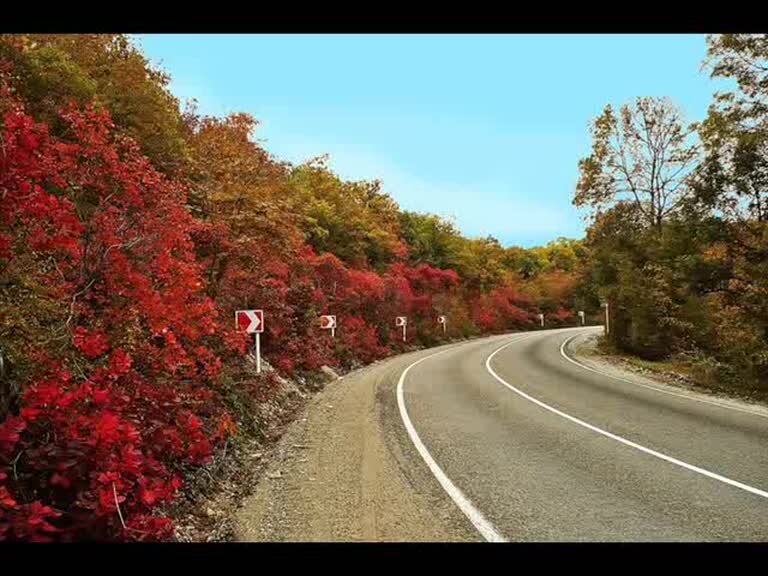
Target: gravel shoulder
[346,471]
[584,349]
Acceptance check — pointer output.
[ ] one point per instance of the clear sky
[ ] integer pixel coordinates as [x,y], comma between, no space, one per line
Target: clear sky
[485,129]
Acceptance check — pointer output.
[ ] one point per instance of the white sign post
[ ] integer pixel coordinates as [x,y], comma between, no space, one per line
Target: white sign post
[607,318]
[441,320]
[401,321]
[328,322]
[541,317]
[581,315]
[252,322]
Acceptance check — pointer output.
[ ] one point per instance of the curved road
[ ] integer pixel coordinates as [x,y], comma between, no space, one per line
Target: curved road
[535,474]
[505,438]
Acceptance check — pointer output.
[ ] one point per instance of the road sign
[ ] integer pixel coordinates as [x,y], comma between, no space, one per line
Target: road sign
[402,321]
[328,322]
[581,315]
[441,320]
[541,317]
[251,321]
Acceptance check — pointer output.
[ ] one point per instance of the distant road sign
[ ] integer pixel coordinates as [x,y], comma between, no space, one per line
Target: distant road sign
[251,321]
[327,322]
[401,321]
[441,319]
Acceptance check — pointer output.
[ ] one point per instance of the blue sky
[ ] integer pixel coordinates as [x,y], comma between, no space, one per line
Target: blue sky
[484,129]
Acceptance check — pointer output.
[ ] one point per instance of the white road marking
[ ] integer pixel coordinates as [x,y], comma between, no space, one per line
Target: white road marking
[483,526]
[661,456]
[670,392]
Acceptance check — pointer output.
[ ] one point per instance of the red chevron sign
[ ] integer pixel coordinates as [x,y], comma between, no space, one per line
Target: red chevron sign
[251,321]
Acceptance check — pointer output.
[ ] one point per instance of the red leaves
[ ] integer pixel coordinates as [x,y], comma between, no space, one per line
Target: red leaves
[29,522]
[90,344]
[113,416]
[123,268]
[10,432]
[37,523]
[5,245]
[502,309]
[226,427]
[119,363]
[59,480]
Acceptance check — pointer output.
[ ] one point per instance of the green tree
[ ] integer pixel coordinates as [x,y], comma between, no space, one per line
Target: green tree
[354,220]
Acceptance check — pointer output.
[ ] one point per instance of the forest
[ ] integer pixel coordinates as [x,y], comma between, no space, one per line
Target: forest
[132,227]
[678,238]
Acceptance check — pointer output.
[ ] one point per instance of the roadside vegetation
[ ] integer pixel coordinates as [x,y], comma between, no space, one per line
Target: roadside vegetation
[131,229]
[678,239]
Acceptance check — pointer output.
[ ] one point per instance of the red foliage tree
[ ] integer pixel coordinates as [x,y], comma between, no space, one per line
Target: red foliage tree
[123,402]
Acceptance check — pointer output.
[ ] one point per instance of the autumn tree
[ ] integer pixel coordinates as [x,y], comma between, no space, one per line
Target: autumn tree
[354,220]
[645,155]
[734,176]
[51,70]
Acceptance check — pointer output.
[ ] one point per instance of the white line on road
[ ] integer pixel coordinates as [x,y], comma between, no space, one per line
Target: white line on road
[670,392]
[691,467]
[479,521]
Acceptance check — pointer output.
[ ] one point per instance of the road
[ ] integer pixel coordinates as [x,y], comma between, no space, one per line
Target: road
[506,438]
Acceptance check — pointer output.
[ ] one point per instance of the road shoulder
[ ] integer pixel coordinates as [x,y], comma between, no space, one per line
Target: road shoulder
[584,349]
[344,471]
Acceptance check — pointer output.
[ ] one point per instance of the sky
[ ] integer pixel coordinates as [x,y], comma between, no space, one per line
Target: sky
[486,130]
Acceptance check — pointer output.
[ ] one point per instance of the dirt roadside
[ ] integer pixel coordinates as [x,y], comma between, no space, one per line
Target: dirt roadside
[344,471]
[585,350]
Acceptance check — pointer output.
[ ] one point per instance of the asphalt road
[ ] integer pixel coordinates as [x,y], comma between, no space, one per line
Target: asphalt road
[504,438]
[537,475]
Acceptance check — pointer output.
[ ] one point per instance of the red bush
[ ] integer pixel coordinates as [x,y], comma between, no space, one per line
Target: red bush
[123,402]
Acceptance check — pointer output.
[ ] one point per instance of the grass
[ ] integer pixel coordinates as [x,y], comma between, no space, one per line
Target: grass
[702,373]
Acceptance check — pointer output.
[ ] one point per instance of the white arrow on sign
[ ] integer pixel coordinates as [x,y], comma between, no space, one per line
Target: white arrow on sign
[251,321]
[328,322]
[441,319]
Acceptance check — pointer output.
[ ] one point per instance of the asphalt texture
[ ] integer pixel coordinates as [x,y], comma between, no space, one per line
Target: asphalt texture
[349,470]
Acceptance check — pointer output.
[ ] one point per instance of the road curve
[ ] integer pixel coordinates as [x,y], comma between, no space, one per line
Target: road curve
[505,438]
[545,450]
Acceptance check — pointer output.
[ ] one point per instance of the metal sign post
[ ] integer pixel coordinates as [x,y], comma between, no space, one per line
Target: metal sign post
[607,318]
[581,315]
[258,352]
[441,320]
[541,317]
